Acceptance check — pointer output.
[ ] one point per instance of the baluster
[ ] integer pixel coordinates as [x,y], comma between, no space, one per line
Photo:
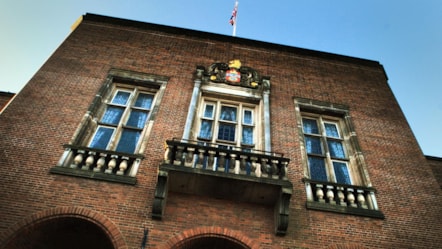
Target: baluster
[351,198]
[179,156]
[264,165]
[283,170]
[189,157]
[274,168]
[200,161]
[361,199]
[233,162]
[78,159]
[237,167]
[100,162]
[330,195]
[341,196]
[222,161]
[89,161]
[243,164]
[256,165]
[111,165]
[320,193]
[211,160]
[123,166]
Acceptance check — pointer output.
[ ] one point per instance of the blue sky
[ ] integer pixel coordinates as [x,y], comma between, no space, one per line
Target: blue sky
[405,36]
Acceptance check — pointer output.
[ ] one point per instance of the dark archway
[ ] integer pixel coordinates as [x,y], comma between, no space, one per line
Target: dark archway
[210,242]
[62,232]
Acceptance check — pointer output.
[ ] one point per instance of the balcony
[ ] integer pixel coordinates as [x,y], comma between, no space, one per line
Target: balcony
[98,164]
[207,169]
[341,198]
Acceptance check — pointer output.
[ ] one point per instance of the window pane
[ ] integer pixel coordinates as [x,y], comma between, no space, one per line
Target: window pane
[331,130]
[310,126]
[313,145]
[226,132]
[341,173]
[228,113]
[317,169]
[208,112]
[247,135]
[336,149]
[121,98]
[248,118]
[112,115]
[206,129]
[144,100]
[128,141]
[101,138]
[137,119]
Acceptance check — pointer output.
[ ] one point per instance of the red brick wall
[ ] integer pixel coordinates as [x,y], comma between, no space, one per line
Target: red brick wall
[5,97]
[48,110]
[436,166]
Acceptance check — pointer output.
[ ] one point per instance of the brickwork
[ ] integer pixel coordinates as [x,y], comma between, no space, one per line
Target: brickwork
[71,211]
[210,231]
[436,166]
[5,97]
[47,112]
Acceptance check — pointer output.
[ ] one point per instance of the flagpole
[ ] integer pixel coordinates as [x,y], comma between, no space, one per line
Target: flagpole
[236,18]
[234,29]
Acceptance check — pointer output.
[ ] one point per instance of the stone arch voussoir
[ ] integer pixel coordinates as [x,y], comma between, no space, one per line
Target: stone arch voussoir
[197,232]
[87,214]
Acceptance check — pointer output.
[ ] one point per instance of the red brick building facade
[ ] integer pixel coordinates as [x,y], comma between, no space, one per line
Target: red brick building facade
[5,98]
[436,165]
[135,135]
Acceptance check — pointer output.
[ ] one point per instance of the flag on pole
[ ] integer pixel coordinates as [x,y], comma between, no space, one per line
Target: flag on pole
[232,20]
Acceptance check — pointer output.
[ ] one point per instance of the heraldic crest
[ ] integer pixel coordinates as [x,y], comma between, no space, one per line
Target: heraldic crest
[233,73]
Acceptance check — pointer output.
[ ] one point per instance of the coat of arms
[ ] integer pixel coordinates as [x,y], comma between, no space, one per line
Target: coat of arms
[233,73]
[233,76]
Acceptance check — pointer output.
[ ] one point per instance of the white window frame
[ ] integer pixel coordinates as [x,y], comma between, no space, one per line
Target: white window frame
[252,125]
[241,107]
[321,120]
[121,126]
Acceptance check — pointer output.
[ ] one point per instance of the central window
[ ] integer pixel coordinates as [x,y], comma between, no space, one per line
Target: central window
[228,123]
[123,120]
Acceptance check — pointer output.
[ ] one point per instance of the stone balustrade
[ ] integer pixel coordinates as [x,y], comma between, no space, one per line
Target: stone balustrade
[227,159]
[100,161]
[340,197]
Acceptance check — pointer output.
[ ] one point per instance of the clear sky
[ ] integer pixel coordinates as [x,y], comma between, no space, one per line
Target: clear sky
[405,36]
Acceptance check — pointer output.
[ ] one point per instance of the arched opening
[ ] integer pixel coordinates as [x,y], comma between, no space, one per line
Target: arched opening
[210,242]
[63,232]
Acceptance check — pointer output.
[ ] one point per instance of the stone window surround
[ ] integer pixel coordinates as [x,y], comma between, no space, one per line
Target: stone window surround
[328,196]
[81,161]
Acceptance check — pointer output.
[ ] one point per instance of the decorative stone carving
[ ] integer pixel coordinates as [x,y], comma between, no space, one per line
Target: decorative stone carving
[160,198]
[233,73]
[282,211]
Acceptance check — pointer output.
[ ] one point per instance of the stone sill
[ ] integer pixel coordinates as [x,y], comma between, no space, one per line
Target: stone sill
[345,210]
[93,175]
